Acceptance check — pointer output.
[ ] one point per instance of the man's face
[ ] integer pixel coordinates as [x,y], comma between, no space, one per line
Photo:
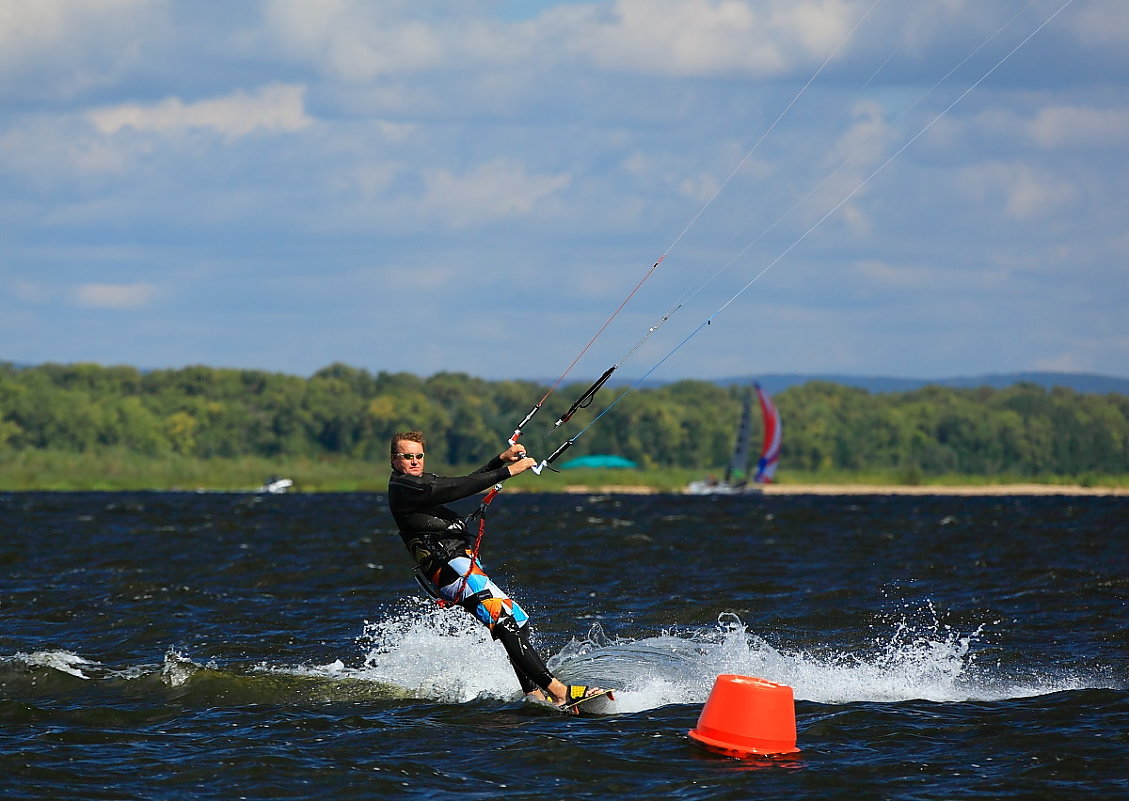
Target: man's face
[409,457]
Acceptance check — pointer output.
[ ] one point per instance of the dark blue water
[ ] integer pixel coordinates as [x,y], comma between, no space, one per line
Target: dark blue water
[215,646]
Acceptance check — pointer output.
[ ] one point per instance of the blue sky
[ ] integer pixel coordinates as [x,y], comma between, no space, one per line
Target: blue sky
[919,189]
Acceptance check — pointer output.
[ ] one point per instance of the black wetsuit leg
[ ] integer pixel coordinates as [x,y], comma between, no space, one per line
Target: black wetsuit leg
[532,673]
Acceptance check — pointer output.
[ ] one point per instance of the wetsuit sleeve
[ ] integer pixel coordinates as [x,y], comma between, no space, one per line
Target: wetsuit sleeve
[431,490]
[493,464]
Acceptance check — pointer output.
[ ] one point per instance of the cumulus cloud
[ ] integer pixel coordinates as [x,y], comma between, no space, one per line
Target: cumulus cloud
[490,191]
[27,27]
[1050,127]
[113,296]
[360,41]
[277,107]
[1026,193]
[284,137]
[1077,126]
[56,49]
[1100,24]
[865,142]
[1032,194]
[705,37]
[883,273]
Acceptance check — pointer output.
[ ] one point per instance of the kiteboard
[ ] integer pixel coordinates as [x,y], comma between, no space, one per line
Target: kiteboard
[577,706]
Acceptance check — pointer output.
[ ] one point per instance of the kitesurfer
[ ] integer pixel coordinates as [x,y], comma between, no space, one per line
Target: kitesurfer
[439,541]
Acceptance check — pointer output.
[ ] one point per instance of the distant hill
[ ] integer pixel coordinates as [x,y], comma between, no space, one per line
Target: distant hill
[1079,382]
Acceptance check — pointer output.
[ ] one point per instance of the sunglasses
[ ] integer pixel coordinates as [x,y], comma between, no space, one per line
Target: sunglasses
[414,457]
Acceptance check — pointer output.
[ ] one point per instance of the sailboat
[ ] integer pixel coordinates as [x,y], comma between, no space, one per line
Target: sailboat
[736,480]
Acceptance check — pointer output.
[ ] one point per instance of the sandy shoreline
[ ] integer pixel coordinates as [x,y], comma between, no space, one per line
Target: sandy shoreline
[892,489]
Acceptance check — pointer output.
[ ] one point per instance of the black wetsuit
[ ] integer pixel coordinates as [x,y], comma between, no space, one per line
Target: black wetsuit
[439,542]
[430,530]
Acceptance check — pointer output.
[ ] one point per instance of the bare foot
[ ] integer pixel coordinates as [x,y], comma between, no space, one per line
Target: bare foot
[574,693]
[557,692]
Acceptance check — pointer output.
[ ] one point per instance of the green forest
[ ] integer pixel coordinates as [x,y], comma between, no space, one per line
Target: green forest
[346,415]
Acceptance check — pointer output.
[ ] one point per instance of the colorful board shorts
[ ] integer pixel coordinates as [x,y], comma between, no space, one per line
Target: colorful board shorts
[493,604]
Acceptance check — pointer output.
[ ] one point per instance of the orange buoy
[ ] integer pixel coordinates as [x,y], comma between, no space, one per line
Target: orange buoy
[745,716]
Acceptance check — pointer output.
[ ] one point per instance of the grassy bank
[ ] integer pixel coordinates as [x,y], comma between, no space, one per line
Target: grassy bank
[123,470]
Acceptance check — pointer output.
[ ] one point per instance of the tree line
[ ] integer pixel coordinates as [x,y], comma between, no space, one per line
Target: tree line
[1023,430]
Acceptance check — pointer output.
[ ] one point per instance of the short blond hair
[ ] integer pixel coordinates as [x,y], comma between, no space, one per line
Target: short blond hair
[410,436]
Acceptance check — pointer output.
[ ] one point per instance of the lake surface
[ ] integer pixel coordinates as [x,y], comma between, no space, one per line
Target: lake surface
[222,646]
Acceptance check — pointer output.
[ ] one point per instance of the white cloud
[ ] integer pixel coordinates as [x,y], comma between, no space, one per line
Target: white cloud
[864,143]
[848,164]
[490,191]
[1076,126]
[584,135]
[704,37]
[47,151]
[53,49]
[25,27]
[396,132]
[30,292]
[1100,24]
[932,280]
[357,41]
[365,180]
[1063,363]
[858,222]
[114,296]
[277,107]
[30,28]
[1052,127]
[885,274]
[361,42]
[698,187]
[1033,194]
[1026,192]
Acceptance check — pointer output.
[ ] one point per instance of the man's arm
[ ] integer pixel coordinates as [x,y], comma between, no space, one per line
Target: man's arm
[431,490]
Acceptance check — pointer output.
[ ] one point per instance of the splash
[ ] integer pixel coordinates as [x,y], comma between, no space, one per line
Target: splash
[177,669]
[62,661]
[915,661]
[443,655]
[424,652]
[439,654]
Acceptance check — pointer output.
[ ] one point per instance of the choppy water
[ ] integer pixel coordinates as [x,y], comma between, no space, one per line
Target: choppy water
[215,646]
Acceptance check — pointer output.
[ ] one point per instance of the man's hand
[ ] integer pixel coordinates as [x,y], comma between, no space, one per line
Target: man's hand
[513,453]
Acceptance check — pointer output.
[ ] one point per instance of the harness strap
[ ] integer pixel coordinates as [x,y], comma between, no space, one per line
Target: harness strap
[429,586]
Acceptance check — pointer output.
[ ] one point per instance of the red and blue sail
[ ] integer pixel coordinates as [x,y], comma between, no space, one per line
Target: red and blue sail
[770,451]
